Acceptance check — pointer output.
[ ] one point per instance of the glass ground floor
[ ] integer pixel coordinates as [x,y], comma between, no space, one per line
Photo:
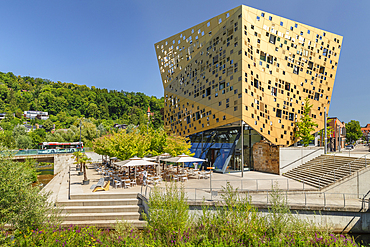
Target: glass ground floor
[222,147]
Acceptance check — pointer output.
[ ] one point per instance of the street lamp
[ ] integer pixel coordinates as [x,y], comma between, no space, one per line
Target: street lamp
[80,132]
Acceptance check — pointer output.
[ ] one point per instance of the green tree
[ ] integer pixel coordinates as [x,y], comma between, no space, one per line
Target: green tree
[306,125]
[329,130]
[19,130]
[23,142]
[140,141]
[22,205]
[7,139]
[37,137]
[48,125]
[353,131]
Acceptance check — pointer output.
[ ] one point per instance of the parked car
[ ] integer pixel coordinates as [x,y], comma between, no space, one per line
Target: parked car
[349,147]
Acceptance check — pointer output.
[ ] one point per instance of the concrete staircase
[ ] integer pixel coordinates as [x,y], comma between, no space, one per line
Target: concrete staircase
[326,170]
[102,210]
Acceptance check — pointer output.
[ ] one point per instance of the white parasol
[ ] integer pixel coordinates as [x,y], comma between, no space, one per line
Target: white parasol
[183,158]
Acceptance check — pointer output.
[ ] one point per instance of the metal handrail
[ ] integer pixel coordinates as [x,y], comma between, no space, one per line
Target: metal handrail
[348,164]
[300,158]
[309,167]
[301,197]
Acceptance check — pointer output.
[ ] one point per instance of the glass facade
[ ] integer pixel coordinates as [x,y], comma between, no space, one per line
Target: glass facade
[222,147]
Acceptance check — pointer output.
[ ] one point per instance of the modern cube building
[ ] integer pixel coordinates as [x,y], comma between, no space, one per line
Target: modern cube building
[245,69]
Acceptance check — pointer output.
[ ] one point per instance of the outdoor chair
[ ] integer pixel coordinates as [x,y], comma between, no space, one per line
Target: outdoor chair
[133,182]
[125,184]
[201,175]
[105,187]
[117,183]
[99,184]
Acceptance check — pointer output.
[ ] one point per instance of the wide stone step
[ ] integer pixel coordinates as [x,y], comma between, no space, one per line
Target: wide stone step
[102,216]
[97,195]
[110,224]
[94,202]
[102,209]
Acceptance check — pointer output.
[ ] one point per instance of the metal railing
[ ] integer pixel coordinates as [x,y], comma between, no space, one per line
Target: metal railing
[320,160]
[305,156]
[262,184]
[342,169]
[299,199]
[45,151]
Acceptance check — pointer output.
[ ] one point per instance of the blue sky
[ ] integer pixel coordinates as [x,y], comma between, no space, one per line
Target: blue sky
[110,44]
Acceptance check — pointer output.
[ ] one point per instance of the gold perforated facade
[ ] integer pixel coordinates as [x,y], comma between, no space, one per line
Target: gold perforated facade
[250,65]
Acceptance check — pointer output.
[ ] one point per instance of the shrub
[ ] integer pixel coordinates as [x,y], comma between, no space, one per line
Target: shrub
[169,214]
[21,205]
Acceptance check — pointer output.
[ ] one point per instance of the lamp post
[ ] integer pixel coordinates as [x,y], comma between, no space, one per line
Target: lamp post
[148,113]
[80,133]
[325,135]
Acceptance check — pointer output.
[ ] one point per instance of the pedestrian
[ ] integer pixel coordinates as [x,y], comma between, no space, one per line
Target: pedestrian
[145,175]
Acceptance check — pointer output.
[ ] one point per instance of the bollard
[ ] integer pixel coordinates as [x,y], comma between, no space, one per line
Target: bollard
[344,200]
[287,184]
[286,197]
[305,200]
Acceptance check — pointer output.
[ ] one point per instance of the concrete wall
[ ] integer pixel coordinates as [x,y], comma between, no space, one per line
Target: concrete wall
[358,183]
[290,157]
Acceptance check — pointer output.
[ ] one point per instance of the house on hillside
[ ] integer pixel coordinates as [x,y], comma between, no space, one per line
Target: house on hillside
[120,126]
[36,114]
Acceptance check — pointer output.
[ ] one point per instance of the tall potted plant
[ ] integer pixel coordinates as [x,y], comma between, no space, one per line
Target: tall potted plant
[85,160]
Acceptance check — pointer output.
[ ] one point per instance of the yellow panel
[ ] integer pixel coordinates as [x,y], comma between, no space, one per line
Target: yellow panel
[250,65]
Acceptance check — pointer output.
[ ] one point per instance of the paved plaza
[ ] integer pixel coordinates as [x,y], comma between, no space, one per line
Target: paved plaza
[255,185]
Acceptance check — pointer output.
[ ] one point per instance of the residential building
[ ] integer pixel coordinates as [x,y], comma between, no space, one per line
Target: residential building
[36,114]
[337,138]
[366,131]
[248,70]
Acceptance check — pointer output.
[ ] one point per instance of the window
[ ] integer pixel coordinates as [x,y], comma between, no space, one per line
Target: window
[270,18]
[272,39]
[278,113]
[255,83]
[281,23]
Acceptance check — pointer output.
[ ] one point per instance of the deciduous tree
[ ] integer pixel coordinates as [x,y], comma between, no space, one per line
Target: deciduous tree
[353,131]
[306,125]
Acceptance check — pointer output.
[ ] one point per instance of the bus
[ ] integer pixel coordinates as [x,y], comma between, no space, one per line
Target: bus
[60,147]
